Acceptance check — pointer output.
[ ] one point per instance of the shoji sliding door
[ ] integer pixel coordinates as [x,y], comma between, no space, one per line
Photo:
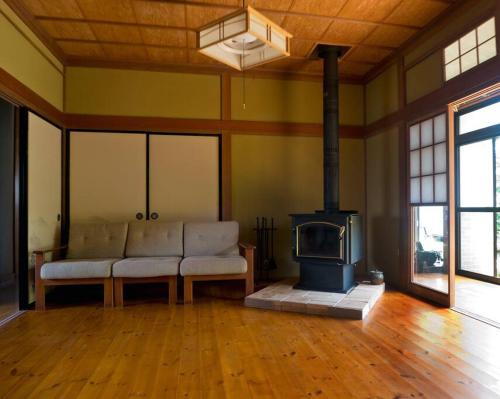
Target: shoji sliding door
[44,187]
[127,176]
[184,177]
[107,176]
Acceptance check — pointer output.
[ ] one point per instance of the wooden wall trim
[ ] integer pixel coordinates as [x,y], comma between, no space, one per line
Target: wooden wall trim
[21,94]
[134,123]
[226,177]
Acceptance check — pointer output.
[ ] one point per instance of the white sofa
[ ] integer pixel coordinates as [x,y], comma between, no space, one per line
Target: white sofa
[149,251]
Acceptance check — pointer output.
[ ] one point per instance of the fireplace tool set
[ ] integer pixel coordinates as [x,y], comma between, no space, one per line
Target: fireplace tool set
[264,259]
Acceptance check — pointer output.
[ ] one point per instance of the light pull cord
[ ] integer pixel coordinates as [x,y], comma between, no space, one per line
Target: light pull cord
[244,81]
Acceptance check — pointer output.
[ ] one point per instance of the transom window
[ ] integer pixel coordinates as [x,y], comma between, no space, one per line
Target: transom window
[470,50]
[428,161]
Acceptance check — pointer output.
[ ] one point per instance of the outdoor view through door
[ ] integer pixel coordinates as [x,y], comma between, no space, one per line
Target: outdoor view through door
[428,195]
[478,194]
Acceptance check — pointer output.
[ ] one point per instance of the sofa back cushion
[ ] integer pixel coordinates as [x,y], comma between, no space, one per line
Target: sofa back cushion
[213,238]
[151,238]
[94,241]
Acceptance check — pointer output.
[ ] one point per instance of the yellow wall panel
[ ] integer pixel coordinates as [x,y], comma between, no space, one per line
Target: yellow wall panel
[382,194]
[424,77]
[298,101]
[274,176]
[382,95]
[102,91]
[23,56]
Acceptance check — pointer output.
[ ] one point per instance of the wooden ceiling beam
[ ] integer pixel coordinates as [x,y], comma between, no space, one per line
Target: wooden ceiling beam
[205,69]
[291,13]
[90,41]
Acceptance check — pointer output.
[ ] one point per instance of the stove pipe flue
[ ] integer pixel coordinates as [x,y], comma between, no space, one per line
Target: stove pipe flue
[330,55]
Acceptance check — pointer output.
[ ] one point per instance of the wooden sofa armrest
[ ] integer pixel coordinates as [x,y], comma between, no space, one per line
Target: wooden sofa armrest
[48,250]
[40,257]
[244,246]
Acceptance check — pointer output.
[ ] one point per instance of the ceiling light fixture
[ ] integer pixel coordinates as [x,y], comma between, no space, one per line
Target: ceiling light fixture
[244,39]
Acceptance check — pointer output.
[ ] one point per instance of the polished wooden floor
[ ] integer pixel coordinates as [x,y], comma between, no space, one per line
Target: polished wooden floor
[219,349]
[478,298]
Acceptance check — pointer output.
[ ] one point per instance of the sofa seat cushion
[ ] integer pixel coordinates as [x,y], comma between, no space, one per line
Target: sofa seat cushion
[77,268]
[206,265]
[147,267]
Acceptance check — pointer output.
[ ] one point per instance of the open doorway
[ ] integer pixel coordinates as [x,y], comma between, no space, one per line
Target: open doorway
[9,303]
[477,154]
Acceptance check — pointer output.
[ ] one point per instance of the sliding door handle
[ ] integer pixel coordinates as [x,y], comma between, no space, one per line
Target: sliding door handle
[139,216]
[154,216]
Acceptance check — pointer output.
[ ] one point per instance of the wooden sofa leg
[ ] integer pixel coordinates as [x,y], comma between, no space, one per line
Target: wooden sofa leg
[108,292]
[188,290]
[118,291]
[172,290]
[40,296]
[249,285]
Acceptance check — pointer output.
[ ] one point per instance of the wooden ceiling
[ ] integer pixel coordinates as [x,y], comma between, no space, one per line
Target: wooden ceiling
[162,33]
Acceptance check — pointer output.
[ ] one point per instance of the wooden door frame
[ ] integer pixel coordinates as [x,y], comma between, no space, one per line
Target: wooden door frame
[484,134]
[442,298]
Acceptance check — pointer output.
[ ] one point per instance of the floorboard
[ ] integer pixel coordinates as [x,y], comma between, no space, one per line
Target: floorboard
[216,348]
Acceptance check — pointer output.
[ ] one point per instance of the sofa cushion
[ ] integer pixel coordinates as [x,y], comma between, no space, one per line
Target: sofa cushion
[94,241]
[203,265]
[207,239]
[152,238]
[77,268]
[147,267]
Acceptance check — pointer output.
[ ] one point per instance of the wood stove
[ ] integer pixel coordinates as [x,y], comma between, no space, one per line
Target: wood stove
[328,243]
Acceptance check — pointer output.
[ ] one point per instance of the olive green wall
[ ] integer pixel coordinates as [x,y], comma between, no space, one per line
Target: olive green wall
[24,57]
[382,95]
[291,101]
[382,210]
[163,94]
[102,91]
[274,176]
[425,77]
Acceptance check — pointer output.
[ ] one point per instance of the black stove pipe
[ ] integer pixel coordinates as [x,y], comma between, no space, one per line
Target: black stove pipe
[330,55]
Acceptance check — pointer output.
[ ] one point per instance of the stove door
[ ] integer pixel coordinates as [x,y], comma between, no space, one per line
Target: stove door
[323,240]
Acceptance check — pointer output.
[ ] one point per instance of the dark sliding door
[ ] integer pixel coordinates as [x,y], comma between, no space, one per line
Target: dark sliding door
[9,302]
[478,194]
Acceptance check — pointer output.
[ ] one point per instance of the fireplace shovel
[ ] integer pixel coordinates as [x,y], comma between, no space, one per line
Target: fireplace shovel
[272,263]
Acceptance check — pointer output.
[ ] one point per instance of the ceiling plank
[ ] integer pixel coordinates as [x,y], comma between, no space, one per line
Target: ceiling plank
[138,32]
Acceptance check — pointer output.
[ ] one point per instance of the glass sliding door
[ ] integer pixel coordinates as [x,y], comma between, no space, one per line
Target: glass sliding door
[478,178]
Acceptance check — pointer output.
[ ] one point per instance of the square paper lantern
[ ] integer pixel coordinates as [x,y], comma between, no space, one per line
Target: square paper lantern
[244,39]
